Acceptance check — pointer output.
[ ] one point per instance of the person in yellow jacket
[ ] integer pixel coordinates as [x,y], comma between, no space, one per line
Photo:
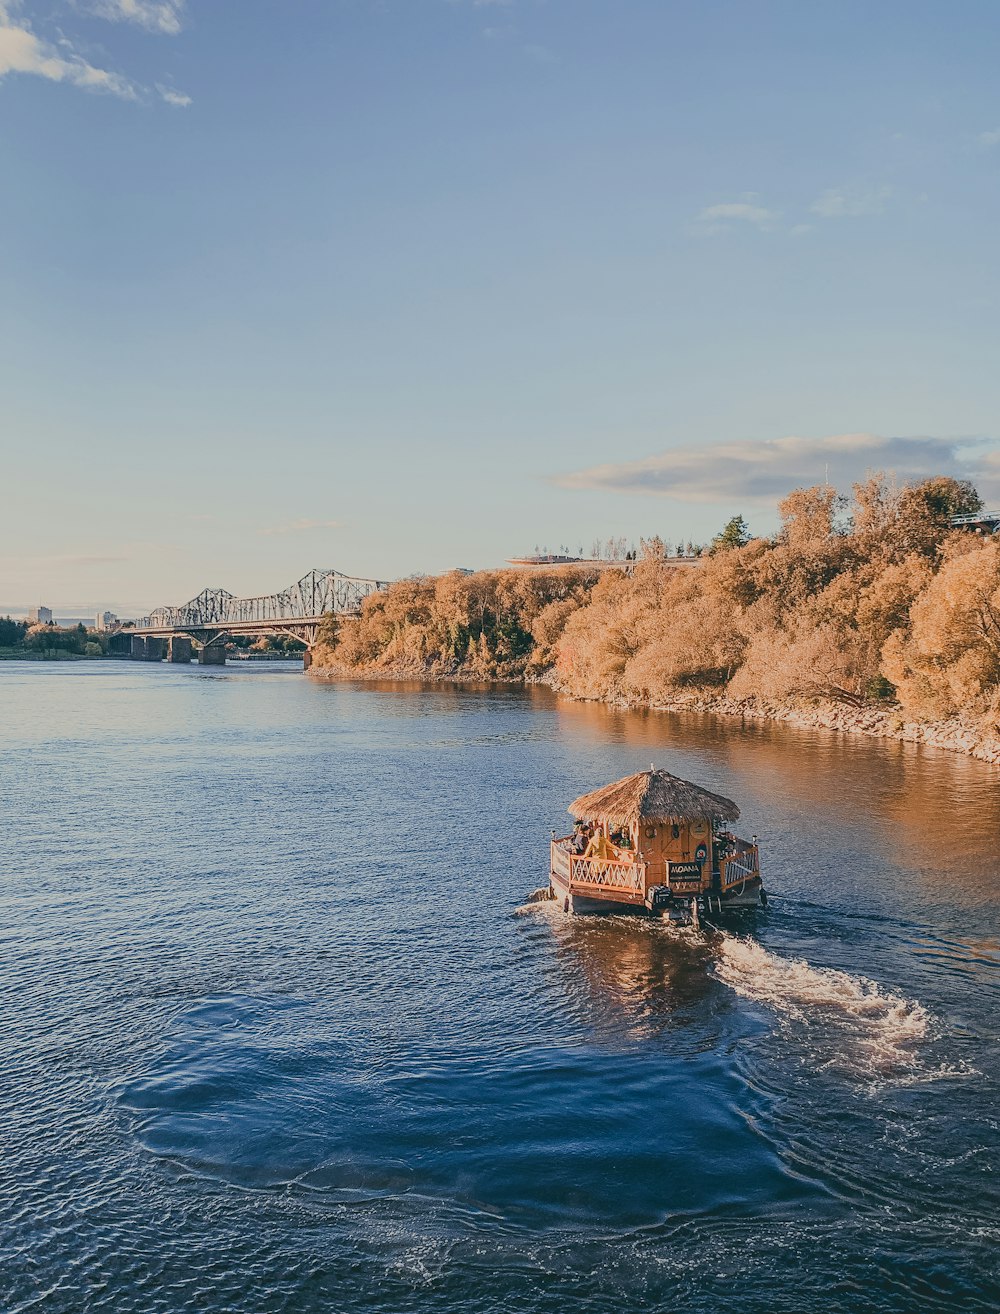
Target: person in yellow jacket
[600,847]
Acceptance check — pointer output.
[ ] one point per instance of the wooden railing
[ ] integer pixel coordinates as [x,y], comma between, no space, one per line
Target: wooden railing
[744,865]
[560,860]
[608,873]
[599,877]
[625,882]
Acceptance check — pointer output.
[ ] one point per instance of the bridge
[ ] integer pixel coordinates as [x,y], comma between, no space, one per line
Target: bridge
[204,623]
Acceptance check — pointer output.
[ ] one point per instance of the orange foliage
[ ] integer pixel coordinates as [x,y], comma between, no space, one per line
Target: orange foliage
[830,608]
[947,659]
[491,624]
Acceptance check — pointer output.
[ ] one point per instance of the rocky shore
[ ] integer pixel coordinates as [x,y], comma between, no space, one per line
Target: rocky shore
[878,722]
[952,735]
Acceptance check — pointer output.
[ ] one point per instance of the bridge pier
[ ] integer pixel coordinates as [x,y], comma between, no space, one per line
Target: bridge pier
[178,648]
[156,649]
[212,654]
[307,659]
[138,649]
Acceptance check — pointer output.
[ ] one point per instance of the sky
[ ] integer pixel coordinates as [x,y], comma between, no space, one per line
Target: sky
[393,286]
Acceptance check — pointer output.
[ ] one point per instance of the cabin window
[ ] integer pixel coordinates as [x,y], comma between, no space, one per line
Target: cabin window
[675,830]
[651,832]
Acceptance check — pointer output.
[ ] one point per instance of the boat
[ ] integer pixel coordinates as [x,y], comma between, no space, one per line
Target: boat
[655,844]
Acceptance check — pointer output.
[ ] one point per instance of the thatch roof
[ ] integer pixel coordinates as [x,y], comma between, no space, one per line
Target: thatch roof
[651,796]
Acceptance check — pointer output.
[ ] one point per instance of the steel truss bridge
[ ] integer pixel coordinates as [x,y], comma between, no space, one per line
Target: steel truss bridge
[299,610]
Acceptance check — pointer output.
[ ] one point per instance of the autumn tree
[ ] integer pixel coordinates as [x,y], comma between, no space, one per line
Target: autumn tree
[652,548]
[948,658]
[892,522]
[810,516]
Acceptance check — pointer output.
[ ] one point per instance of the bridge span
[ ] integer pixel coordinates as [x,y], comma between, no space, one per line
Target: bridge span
[207,621]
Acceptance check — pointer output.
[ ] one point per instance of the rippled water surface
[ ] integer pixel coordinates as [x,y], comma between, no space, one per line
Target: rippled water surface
[279,1032]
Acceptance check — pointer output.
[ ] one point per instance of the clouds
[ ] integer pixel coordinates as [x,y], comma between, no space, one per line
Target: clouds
[990,138]
[172,97]
[23,52]
[760,472]
[850,202]
[163,16]
[715,218]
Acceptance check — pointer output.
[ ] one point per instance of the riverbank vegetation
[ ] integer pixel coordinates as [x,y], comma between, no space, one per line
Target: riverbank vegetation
[876,602]
[22,640]
[489,624]
[266,645]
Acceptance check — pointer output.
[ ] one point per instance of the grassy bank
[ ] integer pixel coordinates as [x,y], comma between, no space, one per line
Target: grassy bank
[48,655]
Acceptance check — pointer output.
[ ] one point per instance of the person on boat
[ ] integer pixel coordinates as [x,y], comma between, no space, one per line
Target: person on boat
[581,838]
[600,847]
[725,843]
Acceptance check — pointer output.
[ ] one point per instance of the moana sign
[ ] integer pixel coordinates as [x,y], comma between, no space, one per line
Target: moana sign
[684,877]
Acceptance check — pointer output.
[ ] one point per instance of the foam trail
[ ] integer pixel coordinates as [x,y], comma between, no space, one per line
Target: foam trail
[852,1022]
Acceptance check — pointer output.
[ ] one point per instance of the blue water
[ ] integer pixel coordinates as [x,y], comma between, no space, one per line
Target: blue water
[280,1033]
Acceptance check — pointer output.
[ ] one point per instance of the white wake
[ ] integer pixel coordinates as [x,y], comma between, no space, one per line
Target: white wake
[852,1022]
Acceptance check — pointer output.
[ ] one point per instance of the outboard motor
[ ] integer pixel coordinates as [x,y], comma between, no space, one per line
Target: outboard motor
[658,898]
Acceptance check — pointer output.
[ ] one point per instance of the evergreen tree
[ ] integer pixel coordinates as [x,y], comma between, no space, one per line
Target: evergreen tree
[734,534]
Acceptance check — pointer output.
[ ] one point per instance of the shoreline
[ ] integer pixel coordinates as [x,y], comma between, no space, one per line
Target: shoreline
[873,722]
[51,655]
[951,736]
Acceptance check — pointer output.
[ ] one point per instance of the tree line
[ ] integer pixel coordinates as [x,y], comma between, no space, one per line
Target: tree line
[18,636]
[874,599]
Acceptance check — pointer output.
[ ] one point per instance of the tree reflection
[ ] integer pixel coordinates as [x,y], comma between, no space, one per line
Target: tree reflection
[828,806]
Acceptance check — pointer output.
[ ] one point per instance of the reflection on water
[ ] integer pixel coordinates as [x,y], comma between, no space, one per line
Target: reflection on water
[627,978]
[935,815]
[630,980]
[277,1036]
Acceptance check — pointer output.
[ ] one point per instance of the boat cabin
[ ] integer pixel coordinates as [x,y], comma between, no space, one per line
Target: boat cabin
[654,842]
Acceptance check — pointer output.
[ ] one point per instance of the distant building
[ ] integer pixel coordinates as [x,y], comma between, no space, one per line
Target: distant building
[40,616]
[551,559]
[539,560]
[106,620]
[983,522]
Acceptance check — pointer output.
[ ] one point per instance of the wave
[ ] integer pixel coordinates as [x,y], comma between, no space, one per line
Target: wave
[853,1022]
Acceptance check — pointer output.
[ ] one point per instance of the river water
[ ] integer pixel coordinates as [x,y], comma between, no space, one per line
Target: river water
[279,1033]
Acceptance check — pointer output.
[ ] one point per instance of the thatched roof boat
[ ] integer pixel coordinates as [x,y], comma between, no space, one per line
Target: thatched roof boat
[654,842]
[652,796]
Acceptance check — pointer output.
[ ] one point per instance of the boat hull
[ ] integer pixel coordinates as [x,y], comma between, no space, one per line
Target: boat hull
[752,896]
[677,908]
[572,902]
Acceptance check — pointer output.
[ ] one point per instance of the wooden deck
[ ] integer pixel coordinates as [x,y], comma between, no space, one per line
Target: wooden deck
[598,878]
[626,882]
